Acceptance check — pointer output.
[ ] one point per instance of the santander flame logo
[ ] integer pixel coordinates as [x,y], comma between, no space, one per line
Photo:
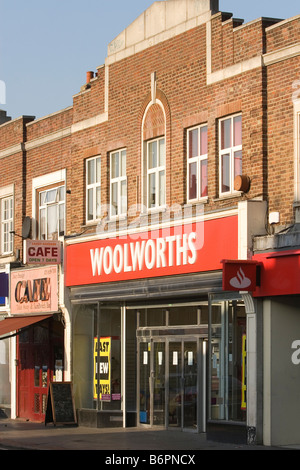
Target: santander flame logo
[240,281]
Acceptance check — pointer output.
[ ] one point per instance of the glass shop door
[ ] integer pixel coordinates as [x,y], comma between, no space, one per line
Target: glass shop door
[152,382]
[169,383]
[183,385]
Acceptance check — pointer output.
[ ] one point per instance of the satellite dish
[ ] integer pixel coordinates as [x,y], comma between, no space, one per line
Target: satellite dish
[26,227]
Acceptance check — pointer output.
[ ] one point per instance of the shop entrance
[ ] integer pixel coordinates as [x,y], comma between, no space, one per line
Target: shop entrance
[171,381]
[40,360]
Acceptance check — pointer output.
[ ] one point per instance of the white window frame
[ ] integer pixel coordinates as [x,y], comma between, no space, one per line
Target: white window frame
[95,187]
[58,178]
[156,171]
[52,199]
[297,150]
[7,225]
[118,180]
[231,152]
[198,159]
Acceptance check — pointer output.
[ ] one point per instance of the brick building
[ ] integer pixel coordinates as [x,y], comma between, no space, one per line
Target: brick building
[180,154]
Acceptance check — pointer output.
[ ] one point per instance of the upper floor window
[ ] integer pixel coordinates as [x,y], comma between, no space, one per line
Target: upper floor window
[297,140]
[93,188]
[296,104]
[51,213]
[118,183]
[7,220]
[197,162]
[230,152]
[156,173]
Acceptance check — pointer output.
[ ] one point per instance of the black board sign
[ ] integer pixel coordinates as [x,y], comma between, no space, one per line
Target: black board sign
[60,404]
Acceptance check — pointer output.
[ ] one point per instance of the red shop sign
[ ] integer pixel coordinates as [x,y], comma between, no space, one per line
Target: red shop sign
[188,248]
[240,275]
[280,273]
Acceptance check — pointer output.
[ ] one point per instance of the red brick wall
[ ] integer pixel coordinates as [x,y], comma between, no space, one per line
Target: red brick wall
[281,137]
[13,132]
[180,66]
[283,35]
[49,124]
[280,130]
[13,168]
[12,174]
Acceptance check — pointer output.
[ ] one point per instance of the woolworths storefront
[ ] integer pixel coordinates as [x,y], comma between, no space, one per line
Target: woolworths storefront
[151,326]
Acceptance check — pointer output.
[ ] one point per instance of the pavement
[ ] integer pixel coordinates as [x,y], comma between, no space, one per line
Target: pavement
[113,442]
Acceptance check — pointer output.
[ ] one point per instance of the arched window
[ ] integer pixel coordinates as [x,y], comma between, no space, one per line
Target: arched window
[154,156]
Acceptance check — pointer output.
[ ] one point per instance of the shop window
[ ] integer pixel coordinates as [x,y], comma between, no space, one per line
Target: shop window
[24,336]
[109,387]
[131,375]
[4,372]
[118,184]
[230,152]
[227,362]
[197,163]
[7,220]
[51,213]
[183,316]
[93,189]
[97,357]
[152,317]
[85,326]
[40,335]
[173,316]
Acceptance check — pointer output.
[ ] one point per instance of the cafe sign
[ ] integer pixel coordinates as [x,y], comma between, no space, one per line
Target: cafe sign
[34,290]
[42,252]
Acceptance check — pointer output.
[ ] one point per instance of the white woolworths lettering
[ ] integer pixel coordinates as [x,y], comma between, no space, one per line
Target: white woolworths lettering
[157,253]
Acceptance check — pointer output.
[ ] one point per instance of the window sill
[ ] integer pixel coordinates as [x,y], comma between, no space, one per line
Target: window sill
[117,218]
[228,196]
[106,219]
[91,223]
[154,210]
[7,258]
[195,202]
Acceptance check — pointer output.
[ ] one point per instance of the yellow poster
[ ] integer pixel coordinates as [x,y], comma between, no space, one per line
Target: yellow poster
[102,368]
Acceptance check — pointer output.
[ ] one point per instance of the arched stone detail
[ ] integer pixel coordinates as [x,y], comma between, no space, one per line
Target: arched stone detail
[154,123]
[160,97]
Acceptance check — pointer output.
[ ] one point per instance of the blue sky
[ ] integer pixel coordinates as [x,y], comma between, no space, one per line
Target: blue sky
[46,47]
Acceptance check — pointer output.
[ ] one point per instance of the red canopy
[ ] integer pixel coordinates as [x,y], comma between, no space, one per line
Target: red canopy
[17,323]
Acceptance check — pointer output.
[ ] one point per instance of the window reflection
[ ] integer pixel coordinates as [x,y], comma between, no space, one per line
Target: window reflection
[228,330]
